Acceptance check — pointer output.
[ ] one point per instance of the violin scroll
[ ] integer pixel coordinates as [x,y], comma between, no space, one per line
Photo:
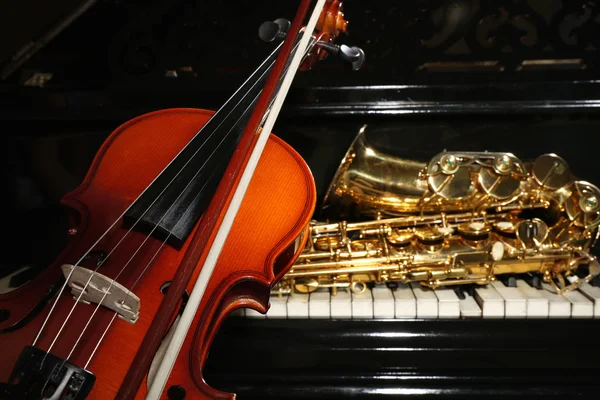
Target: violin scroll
[330,25]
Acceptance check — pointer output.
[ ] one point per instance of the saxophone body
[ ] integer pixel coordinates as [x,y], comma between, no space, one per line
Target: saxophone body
[462,218]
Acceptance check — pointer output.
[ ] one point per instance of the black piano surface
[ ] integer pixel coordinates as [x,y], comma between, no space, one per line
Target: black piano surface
[517,76]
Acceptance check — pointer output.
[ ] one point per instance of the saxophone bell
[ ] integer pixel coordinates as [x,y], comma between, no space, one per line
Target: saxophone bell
[461,218]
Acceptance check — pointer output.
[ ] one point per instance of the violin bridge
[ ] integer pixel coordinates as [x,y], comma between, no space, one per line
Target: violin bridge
[102,290]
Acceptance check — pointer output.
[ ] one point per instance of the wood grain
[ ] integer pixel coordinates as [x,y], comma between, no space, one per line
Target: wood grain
[276,210]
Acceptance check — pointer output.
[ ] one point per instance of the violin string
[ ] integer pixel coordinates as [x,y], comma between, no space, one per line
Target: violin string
[141,245]
[150,206]
[100,341]
[107,290]
[146,239]
[181,331]
[148,265]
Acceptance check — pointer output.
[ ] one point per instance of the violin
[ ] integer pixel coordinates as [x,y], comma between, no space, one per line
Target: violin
[184,216]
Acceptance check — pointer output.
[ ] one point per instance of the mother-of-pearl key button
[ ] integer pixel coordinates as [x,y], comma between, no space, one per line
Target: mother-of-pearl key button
[362,305]
[515,303]
[537,305]
[427,302]
[497,251]
[318,304]
[383,302]
[448,303]
[490,301]
[405,303]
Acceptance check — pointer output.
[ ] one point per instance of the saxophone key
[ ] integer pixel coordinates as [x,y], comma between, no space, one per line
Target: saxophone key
[550,171]
[475,230]
[429,235]
[507,228]
[400,238]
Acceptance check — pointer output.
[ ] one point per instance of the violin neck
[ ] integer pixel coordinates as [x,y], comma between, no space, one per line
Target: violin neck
[186,186]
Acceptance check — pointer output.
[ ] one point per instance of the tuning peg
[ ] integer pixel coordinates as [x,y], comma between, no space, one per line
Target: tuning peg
[274,30]
[354,55]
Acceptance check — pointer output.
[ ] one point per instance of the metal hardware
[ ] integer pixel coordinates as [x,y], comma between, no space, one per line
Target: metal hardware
[462,218]
[354,55]
[41,375]
[270,31]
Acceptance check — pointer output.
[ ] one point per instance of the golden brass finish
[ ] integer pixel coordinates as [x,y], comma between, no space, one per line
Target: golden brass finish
[462,218]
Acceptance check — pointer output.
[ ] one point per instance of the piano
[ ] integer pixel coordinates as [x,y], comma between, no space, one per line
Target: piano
[469,75]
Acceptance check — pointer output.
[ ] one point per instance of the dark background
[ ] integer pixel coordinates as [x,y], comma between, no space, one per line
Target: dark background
[457,75]
[517,76]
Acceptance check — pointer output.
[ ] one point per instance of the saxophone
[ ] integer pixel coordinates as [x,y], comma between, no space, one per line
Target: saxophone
[462,218]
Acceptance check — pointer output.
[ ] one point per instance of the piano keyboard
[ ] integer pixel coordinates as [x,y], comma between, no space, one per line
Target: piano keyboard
[496,300]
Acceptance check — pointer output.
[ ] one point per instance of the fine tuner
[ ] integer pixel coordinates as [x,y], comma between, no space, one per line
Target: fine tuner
[271,31]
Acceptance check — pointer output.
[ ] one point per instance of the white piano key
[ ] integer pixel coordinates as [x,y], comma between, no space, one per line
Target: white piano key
[252,313]
[558,306]
[405,303]
[469,307]
[490,301]
[537,305]
[278,309]
[515,303]
[341,304]
[318,304]
[362,304]
[297,306]
[581,306]
[383,302]
[427,302]
[448,303]
[592,293]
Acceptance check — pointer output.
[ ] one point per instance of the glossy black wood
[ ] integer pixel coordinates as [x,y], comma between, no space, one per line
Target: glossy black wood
[376,359]
[457,75]
[422,57]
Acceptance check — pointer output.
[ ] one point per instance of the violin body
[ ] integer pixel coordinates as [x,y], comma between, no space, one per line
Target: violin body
[268,234]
